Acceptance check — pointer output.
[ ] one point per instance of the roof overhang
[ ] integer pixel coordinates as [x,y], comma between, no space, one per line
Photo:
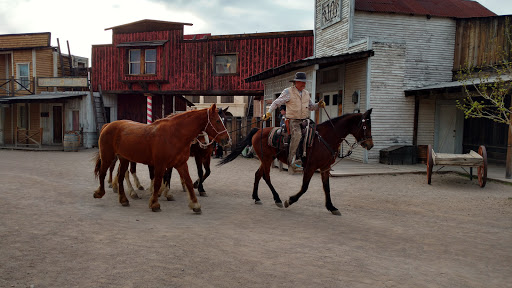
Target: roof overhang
[454,86]
[142,43]
[42,97]
[323,62]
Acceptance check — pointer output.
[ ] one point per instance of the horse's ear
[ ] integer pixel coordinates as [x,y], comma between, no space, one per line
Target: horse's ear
[213,107]
[226,110]
[368,112]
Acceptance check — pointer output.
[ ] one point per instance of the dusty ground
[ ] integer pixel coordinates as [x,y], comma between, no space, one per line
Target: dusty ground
[395,231]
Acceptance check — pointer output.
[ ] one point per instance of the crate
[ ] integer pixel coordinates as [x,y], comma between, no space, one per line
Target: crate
[399,155]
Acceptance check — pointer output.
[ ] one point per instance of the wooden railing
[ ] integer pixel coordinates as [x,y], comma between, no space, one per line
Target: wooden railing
[14,87]
[30,138]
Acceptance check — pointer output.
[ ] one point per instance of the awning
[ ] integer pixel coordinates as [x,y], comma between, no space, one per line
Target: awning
[324,62]
[142,43]
[454,86]
[43,97]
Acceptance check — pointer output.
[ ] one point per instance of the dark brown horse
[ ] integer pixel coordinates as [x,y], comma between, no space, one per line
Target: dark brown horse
[321,155]
[163,144]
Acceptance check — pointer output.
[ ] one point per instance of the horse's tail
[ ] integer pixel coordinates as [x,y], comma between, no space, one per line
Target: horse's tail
[239,147]
[97,166]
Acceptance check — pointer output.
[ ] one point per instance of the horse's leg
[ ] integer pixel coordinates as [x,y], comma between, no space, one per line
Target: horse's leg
[158,173]
[184,174]
[199,182]
[327,191]
[167,184]
[266,177]
[102,166]
[308,173]
[110,170]
[257,178]
[133,170]
[131,191]
[123,169]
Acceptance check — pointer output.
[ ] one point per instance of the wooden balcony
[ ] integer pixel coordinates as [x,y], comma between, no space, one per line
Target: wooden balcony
[14,87]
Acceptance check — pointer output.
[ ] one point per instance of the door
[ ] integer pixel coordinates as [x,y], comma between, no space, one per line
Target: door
[449,127]
[57,124]
[332,106]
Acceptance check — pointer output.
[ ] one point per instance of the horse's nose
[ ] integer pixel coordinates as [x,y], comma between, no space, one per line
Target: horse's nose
[368,144]
[226,142]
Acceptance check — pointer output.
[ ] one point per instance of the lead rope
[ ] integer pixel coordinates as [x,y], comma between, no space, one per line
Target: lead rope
[206,138]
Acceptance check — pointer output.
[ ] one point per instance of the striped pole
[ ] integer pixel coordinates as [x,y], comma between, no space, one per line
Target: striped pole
[149,109]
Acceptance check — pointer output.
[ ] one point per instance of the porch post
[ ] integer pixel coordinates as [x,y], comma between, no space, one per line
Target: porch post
[149,101]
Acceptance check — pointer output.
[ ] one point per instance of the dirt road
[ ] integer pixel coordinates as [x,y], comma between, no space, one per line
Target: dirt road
[395,231]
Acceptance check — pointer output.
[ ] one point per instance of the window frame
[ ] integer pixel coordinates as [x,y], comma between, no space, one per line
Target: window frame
[215,64]
[20,78]
[130,62]
[149,62]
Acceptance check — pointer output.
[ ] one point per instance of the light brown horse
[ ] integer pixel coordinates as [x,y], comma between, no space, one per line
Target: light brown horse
[164,143]
[320,156]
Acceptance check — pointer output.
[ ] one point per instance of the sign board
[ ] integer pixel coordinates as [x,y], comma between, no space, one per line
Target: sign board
[331,13]
[62,82]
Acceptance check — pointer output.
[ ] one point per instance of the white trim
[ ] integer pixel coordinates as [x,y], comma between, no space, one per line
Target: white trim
[351,8]
[368,89]
[34,61]
[18,86]
[313,88]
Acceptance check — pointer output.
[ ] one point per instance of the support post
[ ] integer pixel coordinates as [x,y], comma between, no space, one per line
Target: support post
[508,169]
[149,109]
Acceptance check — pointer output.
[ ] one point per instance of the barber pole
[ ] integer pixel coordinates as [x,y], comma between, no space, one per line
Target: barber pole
[149,109]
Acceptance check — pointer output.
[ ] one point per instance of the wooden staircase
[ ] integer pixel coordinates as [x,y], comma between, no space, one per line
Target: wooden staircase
[99,110]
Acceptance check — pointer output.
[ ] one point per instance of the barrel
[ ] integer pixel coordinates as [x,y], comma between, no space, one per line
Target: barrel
[71,142]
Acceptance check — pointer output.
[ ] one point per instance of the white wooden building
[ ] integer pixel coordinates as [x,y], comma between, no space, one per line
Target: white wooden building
[367,55]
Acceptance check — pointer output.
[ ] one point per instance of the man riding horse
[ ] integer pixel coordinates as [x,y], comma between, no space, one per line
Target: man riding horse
[298,106]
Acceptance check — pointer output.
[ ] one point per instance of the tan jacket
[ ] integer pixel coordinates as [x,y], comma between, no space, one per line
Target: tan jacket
[298,106]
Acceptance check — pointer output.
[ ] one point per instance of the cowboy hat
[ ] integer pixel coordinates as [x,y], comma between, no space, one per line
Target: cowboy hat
[300,76]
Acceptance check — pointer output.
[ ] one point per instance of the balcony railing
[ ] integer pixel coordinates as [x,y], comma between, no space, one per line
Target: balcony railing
[15,87]
[29,138]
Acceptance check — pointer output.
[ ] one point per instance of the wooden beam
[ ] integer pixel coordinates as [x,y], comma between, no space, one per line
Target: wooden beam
[508,169]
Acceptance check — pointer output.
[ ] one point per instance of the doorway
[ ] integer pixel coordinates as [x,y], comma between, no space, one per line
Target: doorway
[57,124]
[333,106]
[449,127]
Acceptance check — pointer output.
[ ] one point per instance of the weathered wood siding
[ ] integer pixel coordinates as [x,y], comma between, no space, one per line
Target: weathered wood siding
[31,40]
[334,39]
[44,65]
[482,41]
[429,43]
[187,65]
[355,80]
[426,121]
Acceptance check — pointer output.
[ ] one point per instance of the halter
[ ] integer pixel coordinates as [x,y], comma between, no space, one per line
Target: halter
[206,138]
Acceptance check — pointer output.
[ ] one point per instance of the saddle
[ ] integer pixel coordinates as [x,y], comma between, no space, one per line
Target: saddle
[279,137]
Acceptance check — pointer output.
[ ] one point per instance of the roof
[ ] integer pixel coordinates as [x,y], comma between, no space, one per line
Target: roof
[324,62]
[440,8]
[147,25]
[43,97]
[454,86]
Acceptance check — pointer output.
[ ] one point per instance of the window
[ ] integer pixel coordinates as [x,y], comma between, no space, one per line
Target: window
[141,61]
[134,62]
[22,116]
[227,99]
[225,64]
[23,76]
[150,61]
[210,99]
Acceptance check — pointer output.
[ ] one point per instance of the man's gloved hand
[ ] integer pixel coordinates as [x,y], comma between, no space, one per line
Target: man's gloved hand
[321,104]
[266,116]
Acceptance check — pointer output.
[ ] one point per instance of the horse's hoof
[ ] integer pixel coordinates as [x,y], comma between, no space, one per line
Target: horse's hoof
[196,185]
[109,185]
[125,204]
[203,194]
[157,209]
[141,188]
[115,190]
[286,204]
[134,196]
[170,198]
[257,202]
[97,195]
[336,212]
[280,205]
[197,210]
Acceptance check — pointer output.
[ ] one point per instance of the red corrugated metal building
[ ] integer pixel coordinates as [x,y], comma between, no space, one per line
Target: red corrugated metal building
[150,57]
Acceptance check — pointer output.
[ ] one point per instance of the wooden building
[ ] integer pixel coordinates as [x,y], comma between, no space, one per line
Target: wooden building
[368,54]
[150,58]
[33,109]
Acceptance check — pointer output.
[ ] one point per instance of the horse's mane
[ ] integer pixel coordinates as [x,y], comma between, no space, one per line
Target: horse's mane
[185,115]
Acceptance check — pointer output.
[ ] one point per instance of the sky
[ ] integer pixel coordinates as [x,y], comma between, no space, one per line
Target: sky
[83,23]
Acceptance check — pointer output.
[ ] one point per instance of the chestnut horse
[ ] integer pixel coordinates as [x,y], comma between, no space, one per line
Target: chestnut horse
[321,155]
[162,144]
[200,149]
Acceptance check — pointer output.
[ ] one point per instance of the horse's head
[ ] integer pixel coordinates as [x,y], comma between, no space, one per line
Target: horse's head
[215,127]
[363,132]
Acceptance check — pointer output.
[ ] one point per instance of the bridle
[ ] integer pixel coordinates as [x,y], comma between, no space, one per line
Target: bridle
[206,138]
